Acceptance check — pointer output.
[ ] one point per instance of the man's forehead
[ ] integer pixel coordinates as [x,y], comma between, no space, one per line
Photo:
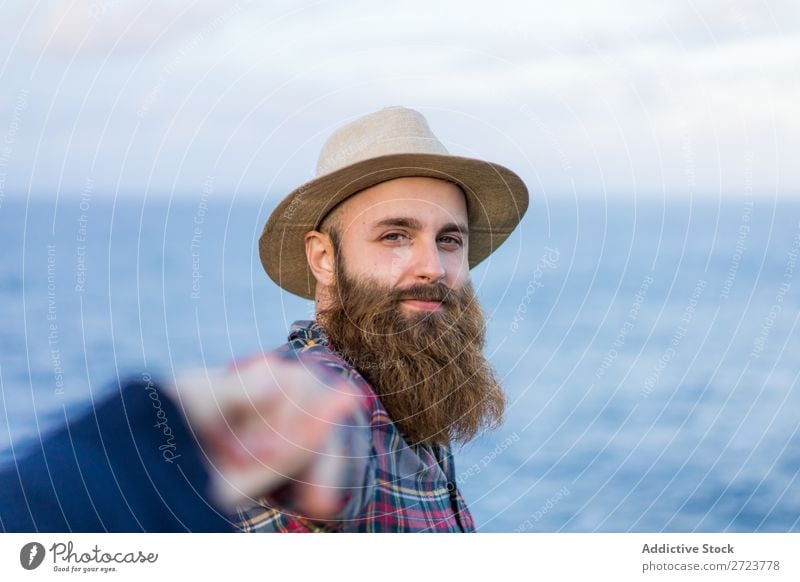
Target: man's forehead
[423,199]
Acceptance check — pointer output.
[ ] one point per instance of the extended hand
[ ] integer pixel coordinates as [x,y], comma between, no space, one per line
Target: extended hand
[269,420]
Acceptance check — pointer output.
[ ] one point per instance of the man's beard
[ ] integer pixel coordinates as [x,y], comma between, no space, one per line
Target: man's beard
[427,368]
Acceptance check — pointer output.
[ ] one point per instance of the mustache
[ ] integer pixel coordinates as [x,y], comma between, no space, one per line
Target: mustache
[421,292]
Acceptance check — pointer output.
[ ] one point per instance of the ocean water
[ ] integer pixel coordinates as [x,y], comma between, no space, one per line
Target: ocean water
[649,348]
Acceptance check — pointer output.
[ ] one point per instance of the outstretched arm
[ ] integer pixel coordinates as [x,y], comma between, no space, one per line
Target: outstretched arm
[286,426]
[152,457]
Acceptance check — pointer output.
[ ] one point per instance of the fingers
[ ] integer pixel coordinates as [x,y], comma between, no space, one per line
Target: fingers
[278,426]
[299,417]
[318,493]
[318,502]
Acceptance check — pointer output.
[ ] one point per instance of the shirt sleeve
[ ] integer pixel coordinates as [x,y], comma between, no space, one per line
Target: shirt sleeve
[129,464]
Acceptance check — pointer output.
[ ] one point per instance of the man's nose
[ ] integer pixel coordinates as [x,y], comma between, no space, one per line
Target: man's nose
[427,263]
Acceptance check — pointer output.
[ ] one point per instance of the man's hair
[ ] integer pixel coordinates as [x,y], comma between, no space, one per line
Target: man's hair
[332,223]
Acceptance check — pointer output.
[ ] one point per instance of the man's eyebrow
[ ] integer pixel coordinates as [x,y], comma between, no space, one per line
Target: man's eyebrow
[414,224]
[462,229]
[400,221]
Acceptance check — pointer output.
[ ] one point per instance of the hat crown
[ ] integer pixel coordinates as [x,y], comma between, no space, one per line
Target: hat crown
[392,130]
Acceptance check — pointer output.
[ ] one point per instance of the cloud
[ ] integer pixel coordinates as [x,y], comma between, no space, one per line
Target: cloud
[574,94]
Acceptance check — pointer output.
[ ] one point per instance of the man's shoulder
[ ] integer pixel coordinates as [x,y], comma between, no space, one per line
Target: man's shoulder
[305,336]
[320,355]
[303,347]
[307,342]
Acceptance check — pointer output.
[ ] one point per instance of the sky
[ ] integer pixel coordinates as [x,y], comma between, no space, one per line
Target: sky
[619,98]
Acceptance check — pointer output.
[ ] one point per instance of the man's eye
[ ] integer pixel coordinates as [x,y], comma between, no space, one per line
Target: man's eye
[450,240]
[394,236]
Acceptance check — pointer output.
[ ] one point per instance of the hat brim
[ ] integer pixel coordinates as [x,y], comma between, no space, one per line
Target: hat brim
[496,201]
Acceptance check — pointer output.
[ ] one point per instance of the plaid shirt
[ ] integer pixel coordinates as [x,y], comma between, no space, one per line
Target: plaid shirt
[393,487]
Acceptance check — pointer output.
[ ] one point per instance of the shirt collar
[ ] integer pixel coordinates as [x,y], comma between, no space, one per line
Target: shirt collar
[308,331]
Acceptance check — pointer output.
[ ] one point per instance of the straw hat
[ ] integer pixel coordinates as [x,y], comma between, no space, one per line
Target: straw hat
[391,143]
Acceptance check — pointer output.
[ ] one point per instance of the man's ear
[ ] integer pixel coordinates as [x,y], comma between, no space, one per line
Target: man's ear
[320,257]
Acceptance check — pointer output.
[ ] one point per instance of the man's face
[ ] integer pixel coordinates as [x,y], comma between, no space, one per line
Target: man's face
[402,311]
[406,232]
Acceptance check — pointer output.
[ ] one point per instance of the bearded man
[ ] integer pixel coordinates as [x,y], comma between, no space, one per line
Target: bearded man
[349,425]
[383,241]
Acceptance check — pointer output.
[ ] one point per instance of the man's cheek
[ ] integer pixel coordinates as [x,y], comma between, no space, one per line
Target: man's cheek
[398,261]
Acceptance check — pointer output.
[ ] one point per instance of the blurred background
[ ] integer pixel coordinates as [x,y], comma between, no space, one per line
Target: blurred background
[643,318]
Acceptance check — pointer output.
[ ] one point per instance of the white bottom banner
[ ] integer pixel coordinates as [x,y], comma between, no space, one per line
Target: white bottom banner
[405,557]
